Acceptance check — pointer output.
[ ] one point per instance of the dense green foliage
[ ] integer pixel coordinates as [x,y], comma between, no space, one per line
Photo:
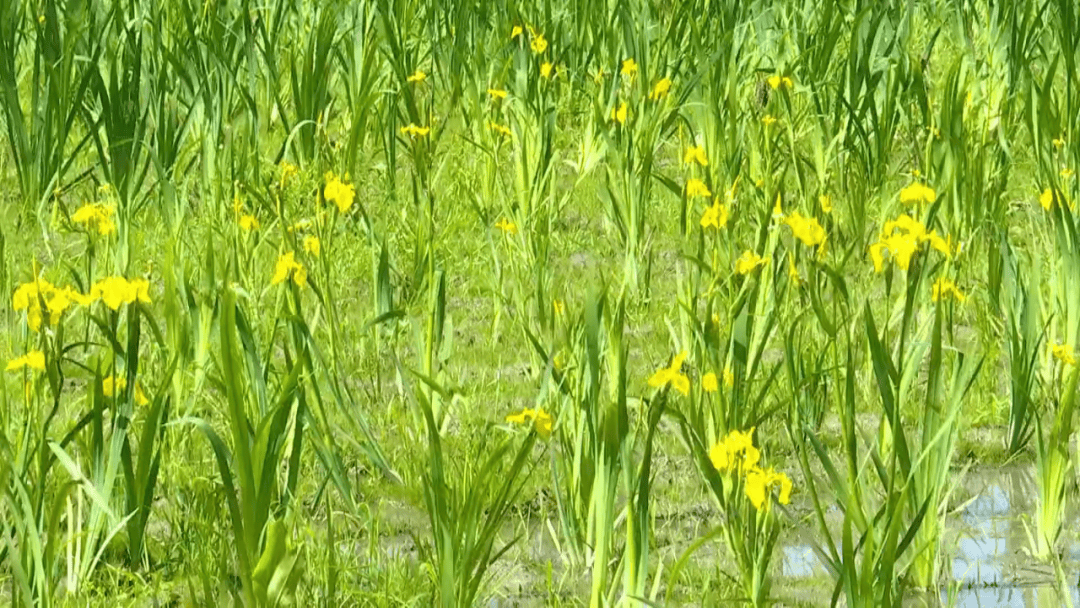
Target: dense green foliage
[403,303]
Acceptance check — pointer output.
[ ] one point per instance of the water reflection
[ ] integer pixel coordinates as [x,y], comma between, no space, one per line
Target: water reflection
[799,561]
[978,561]
[1011,597]
[987,542]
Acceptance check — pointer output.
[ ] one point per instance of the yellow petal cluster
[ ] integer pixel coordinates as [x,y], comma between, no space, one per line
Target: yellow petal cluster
[31,296]
[806,229]
[1046,199]
[778,209]
[97,217]
[696,188]
[312,245]
[288,171]
[414,131]
[945,288]
[917,194]
[500,129]
[780,82]
[541,420]
[695,154]
[660,89]
[113,385]
[715,216]
[673,375]
[338,192]
[735,452]
[34,359]
[248,222]
[117,291]
[629,67]
[902,238]
[619,114]
[709,383]
[417,76]
[506,226]
[545,69]
[538,44]
[760,485]
[287,267]
[497,93]
[749,262]
[792,270]
[1063,353]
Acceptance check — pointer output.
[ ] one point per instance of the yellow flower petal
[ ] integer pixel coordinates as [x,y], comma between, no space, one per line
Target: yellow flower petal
[696,188]
[709,383]
[660,89]
[749,262]
[695,154]
[755,488]
[34,359]
[539,44]
[917,194]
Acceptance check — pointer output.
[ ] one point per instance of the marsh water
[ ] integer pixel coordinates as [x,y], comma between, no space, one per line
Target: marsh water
[988,541]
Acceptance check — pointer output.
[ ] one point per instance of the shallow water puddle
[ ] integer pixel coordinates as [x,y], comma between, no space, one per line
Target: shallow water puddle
[988,544]
[1011,597]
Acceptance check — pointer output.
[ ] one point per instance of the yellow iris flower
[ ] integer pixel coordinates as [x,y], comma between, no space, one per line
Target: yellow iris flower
[709,383]
[338,192]
[415,131]
[917,194]
[620,114]
[944,288]
[761,483]
[506,226]
[287,267]
[1063,353]
[96,217]
[672,374]
[34,359]
[749,262]
[696,188]
[660,89]
[901,239]
[715,216]
[735,452]
[542,421]
[695,154]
